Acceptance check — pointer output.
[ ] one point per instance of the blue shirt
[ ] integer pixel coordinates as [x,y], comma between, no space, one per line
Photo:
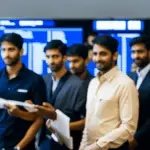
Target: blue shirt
[27,85]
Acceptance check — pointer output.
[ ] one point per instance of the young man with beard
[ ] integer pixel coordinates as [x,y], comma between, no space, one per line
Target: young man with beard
[112,102]
[77,56]
[20,84]
[140,48]
[64,92]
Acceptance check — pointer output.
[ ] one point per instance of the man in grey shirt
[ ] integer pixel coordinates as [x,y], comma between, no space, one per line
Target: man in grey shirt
[64,92]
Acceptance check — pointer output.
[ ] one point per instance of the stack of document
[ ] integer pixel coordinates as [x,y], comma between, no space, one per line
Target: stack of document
[29,107]
[62,128]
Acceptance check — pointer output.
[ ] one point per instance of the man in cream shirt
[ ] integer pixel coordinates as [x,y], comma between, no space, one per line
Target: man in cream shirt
[112,102]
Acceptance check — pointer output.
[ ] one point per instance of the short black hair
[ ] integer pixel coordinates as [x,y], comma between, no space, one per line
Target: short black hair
[78,50]
[56,44]
[107,41]
[93,33]
[141,39]
[13,38]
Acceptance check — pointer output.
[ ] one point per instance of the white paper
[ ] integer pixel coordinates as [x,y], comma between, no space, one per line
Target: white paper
[62,128]
[29,107]
[68,142]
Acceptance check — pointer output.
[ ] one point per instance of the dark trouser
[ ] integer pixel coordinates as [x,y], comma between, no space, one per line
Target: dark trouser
[125,146]
[56,146]
[45,144]
[143,147]
[30,147]
[50,144]
[77,135]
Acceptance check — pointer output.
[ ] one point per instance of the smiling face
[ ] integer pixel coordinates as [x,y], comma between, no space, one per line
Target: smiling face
[103,58]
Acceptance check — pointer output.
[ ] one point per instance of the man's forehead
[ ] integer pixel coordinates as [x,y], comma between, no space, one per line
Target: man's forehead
[138,47]
[99,48]
[53,51]
[7,44]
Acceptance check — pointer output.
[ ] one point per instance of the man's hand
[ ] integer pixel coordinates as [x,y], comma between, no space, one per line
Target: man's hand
[132,144]
[29,101]
[46,110]
[12,110]
[48,124]
[93,146]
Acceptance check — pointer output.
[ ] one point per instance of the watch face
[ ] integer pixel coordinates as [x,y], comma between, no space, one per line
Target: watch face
[17,148]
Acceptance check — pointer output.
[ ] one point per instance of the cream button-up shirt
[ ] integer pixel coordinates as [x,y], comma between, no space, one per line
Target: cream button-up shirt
[112,110]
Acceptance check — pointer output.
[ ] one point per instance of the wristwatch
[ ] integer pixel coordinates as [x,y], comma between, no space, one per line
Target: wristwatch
[16,148]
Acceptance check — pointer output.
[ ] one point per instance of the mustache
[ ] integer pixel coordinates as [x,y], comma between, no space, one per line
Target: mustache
[52,64]
[137,59]
[73,68]
[7,58]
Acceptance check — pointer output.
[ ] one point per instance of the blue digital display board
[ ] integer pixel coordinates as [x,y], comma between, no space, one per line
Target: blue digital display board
[35,38]
[118,25]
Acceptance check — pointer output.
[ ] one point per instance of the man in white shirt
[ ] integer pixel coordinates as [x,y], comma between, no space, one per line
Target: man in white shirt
[112,102]
[140,47]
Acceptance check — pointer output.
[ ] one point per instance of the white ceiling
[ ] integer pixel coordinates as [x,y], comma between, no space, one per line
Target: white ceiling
[74,9]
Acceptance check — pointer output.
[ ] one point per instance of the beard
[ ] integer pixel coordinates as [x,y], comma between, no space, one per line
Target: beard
[78,71]
[141,62]
[56,67]
[104,66]
[11,61]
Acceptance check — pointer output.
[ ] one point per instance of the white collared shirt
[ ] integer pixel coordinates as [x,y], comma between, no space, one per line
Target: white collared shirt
[141,75]
[55,84]
[111,111]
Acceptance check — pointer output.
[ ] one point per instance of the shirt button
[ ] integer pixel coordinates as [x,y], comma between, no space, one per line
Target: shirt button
[9,89]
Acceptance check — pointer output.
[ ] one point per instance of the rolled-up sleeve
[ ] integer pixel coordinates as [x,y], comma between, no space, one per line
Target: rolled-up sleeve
[129,112]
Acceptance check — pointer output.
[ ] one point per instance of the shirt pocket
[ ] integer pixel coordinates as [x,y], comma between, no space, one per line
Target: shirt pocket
[18,96]
[105,106]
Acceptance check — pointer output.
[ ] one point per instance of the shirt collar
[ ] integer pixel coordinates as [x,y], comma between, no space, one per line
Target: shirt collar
[53,79]
[144,71]
[109,75]
[20,73]
[66,74]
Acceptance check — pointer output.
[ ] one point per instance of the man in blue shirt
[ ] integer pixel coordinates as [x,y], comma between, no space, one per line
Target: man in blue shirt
[20,84]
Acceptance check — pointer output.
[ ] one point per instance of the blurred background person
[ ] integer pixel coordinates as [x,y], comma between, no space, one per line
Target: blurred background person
[140,52]
[91,36]
[91,67]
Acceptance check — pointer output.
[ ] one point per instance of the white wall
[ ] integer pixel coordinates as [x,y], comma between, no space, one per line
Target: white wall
[75,9]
